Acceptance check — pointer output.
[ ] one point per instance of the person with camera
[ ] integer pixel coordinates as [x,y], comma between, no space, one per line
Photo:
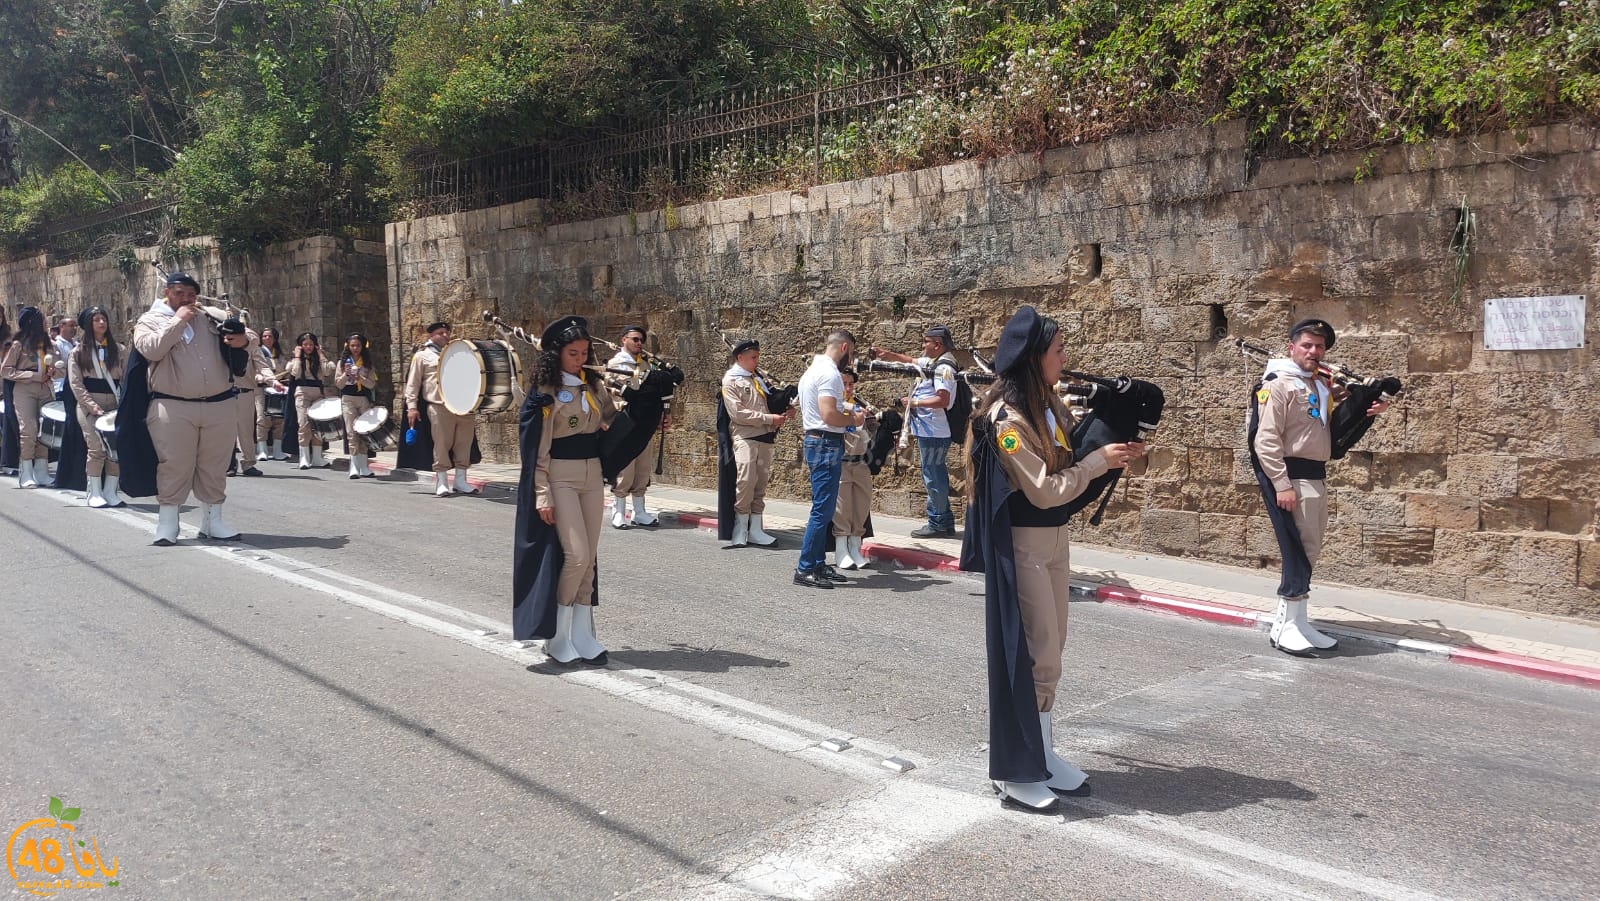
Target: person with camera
[925,409]
[355,379]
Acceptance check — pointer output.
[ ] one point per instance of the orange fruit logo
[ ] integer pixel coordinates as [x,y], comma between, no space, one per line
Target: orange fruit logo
[38,855]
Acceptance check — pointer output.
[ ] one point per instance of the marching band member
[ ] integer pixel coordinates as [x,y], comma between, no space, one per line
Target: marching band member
[451,435]
[568,488]
[355,380]
[94,372]
[246,375]
[269,428]
[309,370]
[30,365]
[1290,453]
[634,479]
[189,418]
[1023,476]
[855,485]
[753,431]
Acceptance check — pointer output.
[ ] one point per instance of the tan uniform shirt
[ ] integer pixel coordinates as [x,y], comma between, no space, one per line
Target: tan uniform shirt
[363,380]
[1287,428]
[564,419]
[256,371]
[24,366]
[301,370]
[191,369]
[76,374]
[746,401]
[1030,472]
[422,380]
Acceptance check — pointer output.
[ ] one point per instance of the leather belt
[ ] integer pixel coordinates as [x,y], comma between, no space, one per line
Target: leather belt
[215,398]
[853,458]
[825,434]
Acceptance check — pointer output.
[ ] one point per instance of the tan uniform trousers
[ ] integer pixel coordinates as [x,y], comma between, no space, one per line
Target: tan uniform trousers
[855,500]
[193,444]
[452,437]
[635,477]
[1311,515]
[579,494]
[303,399]
[752,462]
[29,397]
[96,463]
[244,417]
[269,429]
[354,405]
[1044,583]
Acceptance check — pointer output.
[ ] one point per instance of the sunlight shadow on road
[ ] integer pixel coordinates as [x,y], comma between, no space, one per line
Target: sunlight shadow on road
[685,658]
[1150,787]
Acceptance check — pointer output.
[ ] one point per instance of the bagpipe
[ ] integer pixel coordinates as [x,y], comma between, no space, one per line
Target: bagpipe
[1349,422]
[647,392]
[1119,410]
[892,435]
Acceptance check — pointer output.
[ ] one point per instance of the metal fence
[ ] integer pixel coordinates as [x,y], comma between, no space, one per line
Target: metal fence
[767,139]
[136,223]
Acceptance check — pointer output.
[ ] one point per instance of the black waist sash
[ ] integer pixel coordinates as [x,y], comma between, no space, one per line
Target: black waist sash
[768,438]
[1024,513]
[307,383]
[576,447]
[1301,468]
[215,398]
[99,386]
[352,391]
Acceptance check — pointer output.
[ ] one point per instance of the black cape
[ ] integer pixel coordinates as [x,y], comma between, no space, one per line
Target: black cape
[10,438]
[291,427]
[727,474]
[136,453]
[72,457]
[418,454]
[1016,744]
[536,555]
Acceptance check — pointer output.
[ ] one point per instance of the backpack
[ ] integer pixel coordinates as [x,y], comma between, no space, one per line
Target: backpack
[960,412]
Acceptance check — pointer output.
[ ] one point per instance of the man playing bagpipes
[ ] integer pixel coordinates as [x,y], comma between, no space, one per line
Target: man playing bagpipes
[1294,431]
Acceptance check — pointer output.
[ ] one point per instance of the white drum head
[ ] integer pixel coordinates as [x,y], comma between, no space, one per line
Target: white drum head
[326,409]
[107,422]
[371,420]
[461,379]
[54,410]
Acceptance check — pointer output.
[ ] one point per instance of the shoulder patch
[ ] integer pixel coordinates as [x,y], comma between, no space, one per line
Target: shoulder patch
[1009,440]
[1262,395]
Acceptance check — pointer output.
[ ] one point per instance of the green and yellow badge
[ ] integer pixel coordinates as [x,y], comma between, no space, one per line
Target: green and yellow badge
[1009,440]
[1262,395]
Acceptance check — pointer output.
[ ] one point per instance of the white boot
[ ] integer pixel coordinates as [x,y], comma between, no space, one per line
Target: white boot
[758,536]
[305,458]
[441,484]
[841,553]
[317,460]
[167,526]
[356,462]
[366,467]
[1064,777]
[619,513]
[584,641]
[741,530]
[560,647]
[1285,634]
[1034,797]
[857,553]
[641,516]
[109,492]
[1319,640]
[261,452]
[462,485]
[27,474]
[212,525]
[94,496]
[278,452]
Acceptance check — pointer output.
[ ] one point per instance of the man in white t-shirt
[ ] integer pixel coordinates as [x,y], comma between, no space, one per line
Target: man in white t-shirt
[822,411]
[66,339]
[926,406]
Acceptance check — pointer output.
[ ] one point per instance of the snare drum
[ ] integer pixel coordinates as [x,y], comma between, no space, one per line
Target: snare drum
[377,428]
[275,403]
[327,419]
[106,428]
[478,376]
[52,424]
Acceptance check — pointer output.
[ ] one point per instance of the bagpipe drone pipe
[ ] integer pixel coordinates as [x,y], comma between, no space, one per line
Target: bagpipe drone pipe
[630,432]
[1121,410]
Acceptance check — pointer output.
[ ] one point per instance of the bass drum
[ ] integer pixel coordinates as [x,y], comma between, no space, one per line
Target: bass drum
[327,419]
[106,428]
[52,424]
[377,429]
[478,376]
[275,402]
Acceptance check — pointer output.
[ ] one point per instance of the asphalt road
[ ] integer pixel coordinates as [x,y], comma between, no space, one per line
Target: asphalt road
[317,712]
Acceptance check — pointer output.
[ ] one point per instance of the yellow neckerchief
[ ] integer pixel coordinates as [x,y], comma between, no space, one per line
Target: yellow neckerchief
[755,379]
[1061,437]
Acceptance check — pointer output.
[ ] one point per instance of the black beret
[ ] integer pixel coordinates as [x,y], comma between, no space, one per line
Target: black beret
[628,330]
[943,334]
[86,319]
[182,278]
[231,327]
[1023,330]
[435,326]
[564,331]
[1316,326]
[746,344]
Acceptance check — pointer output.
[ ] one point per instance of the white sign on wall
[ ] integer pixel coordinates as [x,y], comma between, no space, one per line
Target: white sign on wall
[1534,323]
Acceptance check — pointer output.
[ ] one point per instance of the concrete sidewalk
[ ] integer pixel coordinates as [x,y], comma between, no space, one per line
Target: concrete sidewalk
[1545,647]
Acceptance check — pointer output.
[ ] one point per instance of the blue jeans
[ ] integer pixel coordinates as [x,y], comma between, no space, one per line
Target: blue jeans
[936,478]
[825,459]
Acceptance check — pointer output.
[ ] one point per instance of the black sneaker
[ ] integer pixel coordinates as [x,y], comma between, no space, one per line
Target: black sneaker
[252,471]
[931,532]
[828,572]
[812,580]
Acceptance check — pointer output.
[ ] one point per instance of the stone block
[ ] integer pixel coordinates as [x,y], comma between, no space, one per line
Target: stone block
[1483,476]
[1211,464]
[1371,508]
[1437,511]
[1589,565]
[1573,517]
[1556,478]
[1514,514]
[1223,535]
[1527,559]
[1410,471]
[1440,353]
[1169,531]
